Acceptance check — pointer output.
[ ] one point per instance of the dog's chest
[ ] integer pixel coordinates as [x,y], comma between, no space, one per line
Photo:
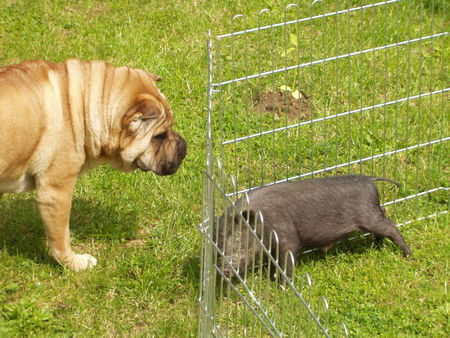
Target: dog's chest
[22,184]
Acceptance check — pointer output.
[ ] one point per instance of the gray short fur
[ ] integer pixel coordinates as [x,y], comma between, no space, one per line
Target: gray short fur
[313,213]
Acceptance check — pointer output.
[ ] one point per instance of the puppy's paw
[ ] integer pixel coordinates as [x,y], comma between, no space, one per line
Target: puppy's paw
[81,262]
[410,258]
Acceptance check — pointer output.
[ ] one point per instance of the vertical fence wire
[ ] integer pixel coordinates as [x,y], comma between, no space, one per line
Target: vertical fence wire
[207,293]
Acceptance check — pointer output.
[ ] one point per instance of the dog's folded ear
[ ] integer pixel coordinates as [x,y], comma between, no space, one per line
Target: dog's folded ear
[142,115]
[149,109]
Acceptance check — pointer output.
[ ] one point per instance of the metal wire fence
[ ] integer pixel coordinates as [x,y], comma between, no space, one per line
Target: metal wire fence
[318,89]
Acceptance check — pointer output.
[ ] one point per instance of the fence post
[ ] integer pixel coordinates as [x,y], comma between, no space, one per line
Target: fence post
[207,300]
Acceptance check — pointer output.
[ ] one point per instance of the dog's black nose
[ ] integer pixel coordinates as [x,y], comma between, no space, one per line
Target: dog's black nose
[169,168]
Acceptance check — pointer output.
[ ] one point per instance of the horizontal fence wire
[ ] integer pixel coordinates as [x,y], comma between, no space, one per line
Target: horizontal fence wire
[398,225]
[329,117]
[343,165]
[200,227]
[333,58]
[397,200]
[281,24]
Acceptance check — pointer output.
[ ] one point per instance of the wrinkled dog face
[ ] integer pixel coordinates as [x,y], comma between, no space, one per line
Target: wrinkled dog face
[167,150]
[147,140]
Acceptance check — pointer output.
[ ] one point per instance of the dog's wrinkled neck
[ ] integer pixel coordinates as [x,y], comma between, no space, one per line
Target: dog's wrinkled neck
[102,104]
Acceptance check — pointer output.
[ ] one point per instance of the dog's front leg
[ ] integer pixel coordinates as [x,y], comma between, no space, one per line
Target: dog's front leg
[54,198]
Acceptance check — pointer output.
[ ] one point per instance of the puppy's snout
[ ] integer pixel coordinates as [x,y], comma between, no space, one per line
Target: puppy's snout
[227,272]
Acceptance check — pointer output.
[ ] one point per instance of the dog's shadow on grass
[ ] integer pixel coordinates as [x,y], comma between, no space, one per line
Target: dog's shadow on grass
[22,232]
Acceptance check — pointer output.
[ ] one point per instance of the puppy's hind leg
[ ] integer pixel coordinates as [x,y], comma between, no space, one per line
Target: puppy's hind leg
[379,239]
[386,228]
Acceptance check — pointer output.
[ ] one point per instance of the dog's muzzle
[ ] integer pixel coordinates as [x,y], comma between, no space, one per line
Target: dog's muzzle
[170,167]
[166,166]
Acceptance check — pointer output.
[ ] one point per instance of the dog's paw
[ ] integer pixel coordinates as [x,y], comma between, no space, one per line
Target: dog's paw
[81,262]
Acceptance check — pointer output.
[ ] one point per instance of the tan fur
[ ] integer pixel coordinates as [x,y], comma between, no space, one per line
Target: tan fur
[60,119]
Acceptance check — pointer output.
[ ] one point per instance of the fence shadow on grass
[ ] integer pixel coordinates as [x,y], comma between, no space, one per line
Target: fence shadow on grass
[355,245]
[22,232]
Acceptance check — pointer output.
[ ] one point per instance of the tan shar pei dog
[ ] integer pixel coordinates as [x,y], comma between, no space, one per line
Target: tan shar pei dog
[57,120]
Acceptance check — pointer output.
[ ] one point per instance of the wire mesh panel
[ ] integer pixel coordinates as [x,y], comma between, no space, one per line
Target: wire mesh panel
[318,89]
[252,283]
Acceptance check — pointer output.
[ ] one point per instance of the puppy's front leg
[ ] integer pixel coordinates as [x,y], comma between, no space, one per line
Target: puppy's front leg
[54,198]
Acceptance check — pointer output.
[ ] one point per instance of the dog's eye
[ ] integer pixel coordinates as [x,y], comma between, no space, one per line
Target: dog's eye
[161,136]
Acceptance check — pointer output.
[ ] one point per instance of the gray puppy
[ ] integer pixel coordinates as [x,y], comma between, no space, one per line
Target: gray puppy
[313,213]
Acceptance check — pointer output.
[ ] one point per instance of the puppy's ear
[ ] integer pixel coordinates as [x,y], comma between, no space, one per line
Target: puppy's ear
[142,115]
[249,216]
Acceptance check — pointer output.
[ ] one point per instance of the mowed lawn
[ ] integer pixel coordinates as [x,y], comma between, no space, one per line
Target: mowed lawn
[143,228]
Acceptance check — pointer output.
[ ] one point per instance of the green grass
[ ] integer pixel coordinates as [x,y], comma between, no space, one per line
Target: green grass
[143,228]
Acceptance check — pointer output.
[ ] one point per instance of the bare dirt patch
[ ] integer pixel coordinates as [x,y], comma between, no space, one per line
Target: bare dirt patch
[282,102]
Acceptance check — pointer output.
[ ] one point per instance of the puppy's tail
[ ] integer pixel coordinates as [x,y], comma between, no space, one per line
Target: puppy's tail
[385,179]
